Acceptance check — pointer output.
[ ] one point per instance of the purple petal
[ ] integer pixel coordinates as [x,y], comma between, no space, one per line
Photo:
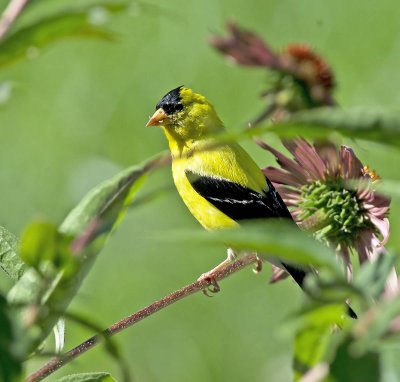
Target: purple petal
[383,227]
[277,175]
[329,153]
[365,247]
[351,165]
[286,163]
[278,274]
[376,204]
[290,196]
[296,216]
[307,157]
[347,262]
[391,285]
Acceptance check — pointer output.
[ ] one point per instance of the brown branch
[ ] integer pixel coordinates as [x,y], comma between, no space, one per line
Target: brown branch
[57,362]
[10,14]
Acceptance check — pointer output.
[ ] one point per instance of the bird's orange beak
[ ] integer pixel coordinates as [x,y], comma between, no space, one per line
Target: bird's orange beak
[157,118]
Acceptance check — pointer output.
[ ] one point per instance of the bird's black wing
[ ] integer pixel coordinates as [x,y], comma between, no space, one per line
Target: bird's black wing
[242,203]
[239,202]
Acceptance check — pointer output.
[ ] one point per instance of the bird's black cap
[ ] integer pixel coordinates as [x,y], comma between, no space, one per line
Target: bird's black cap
[171,102]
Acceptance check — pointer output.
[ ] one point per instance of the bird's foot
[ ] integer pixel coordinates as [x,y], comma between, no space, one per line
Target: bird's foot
[259,265]
[213,286]
[210,275]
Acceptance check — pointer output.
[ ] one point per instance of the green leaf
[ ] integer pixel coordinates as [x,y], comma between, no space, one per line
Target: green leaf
[270,238]
[10,262]
[89,225]
[347,367]
[389,187]
[315,336]
[42,243]
[372,276]
[10,363]
[83,22]
[374,327]
[328,288]
[377,125]
[106,204]
[87,377]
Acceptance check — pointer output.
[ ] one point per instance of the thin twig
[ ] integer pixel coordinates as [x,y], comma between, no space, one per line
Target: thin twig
[57,362]
[10,14]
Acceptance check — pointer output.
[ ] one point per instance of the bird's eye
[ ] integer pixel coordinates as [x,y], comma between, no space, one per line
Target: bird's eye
[168,108]
[171,102]
[171,108]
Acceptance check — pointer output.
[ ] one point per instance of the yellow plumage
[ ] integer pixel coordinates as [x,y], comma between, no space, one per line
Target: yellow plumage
[193,150]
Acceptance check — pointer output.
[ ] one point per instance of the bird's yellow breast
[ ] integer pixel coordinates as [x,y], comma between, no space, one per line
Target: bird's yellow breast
[229,162]
[208,216]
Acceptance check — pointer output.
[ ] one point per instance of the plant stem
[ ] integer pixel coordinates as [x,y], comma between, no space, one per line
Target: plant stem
[10,14]
[57,362]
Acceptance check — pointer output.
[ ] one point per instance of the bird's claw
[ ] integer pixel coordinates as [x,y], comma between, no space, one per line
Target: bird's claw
[259,266]
[213,286]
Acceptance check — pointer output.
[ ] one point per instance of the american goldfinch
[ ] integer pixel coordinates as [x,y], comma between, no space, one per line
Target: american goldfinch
[219,182]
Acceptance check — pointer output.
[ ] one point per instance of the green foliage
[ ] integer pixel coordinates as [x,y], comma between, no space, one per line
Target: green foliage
[375,330]
[378,125]
[42,243]
[10,363]
[42,134]
[28,41]
[87,377]
[314,327]
[10,261]
[390,188]
[325,336]
[371,279]
[347,367]
[78,241]
[270,238]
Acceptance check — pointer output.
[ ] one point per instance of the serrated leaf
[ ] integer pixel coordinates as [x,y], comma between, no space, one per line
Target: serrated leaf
[10,261]
[89,225]
[88,377]
[27,41]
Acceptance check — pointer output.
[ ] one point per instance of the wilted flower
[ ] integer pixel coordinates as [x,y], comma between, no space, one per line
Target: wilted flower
[245,48]
[330,193]
[303,78]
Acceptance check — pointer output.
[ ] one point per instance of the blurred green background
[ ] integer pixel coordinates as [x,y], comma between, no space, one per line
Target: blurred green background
[76,116]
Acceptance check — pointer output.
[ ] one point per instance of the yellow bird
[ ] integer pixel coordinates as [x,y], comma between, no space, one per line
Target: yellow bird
[219,182]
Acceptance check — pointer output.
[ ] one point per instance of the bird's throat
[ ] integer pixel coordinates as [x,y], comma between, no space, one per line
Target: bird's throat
[177,144]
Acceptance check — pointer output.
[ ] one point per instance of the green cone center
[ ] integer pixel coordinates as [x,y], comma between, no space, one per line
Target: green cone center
[338,213]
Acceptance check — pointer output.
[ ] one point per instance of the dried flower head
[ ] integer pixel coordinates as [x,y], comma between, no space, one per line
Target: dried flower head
[307,66]
[245,48]
[304,79]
